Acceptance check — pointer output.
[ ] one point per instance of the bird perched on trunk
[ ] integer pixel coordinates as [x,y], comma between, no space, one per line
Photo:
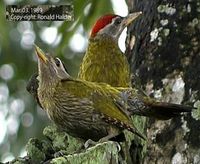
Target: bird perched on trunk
[81,108]
[103,60]
[90,110]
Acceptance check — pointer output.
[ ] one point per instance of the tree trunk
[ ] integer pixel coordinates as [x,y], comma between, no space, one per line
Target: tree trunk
[166,58]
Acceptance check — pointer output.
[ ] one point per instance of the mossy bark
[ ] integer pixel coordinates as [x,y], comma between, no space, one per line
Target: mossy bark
[60,148]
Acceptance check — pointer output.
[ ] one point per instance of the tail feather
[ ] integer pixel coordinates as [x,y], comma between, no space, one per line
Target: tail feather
[159,110]
[164,111]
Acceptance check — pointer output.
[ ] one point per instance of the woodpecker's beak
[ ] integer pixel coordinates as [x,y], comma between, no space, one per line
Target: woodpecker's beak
[41,55]
[131,17]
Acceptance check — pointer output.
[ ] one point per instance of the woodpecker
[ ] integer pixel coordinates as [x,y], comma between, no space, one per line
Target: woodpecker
[103,60]
[81,108]
[91,110]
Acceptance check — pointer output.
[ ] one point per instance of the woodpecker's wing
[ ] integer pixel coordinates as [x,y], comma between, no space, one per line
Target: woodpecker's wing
[102,97]
[32,84]
[112,114]
[32,87]
[99,93]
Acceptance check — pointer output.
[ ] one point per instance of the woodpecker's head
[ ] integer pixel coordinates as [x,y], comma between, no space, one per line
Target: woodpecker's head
[50,69]
[112,25]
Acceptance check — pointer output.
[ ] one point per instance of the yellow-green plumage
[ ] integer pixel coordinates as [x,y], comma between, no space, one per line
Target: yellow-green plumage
[102,96]
[85,109]
[104,62]
[92,110]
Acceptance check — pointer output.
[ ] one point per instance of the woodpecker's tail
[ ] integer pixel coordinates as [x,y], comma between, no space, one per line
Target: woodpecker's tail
[161,110]
[137,104]
[164,111]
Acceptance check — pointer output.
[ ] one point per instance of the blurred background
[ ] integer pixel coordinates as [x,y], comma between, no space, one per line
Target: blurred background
[20,116]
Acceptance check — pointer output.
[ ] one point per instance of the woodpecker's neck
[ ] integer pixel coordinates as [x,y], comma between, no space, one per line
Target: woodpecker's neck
[104,37]
[101,45]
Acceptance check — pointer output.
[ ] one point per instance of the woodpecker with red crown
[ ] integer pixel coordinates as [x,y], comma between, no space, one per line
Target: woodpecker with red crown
[109,65]
[103,60]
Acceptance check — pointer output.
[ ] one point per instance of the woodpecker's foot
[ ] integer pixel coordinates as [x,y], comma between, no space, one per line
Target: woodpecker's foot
[59,153]
[89,143]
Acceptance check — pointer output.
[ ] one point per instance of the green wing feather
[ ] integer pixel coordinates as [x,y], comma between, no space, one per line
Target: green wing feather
[102,96]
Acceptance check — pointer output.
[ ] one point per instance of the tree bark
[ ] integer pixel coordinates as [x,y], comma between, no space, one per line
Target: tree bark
[166,57]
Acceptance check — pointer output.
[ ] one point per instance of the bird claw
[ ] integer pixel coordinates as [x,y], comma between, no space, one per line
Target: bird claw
[89,143]
[59,154]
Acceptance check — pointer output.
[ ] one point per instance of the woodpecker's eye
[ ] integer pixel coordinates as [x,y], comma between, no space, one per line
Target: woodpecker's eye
[58,62]
[118,21]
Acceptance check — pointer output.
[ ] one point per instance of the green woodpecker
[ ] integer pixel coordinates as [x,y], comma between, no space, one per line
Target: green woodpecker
[90,110]
[103,60]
